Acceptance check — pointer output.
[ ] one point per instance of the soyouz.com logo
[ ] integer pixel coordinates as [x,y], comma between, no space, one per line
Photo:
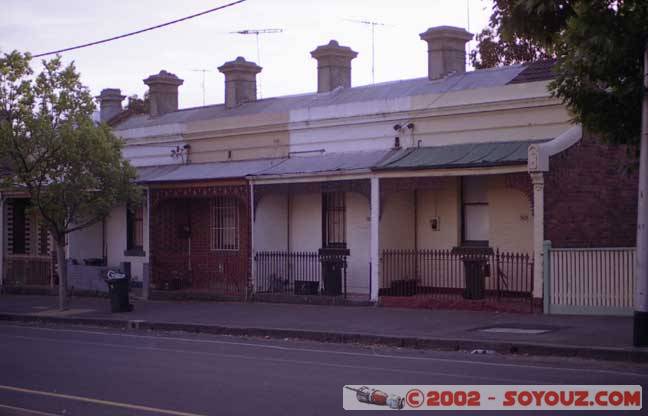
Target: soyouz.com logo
[497,397]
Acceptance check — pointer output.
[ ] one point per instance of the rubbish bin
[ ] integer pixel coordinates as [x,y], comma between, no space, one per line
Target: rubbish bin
[305,287]
[333,269]
[474,268]
[118,288]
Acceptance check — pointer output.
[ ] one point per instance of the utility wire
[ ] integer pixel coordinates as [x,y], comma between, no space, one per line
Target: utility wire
[85,45]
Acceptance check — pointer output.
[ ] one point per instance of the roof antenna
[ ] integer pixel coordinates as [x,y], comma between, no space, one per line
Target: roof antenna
[203,81]
[468,29]
[257,32]
[373,44]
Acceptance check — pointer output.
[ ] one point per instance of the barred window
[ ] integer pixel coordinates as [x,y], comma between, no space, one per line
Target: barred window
[224,224]
[135,228]
[334,221]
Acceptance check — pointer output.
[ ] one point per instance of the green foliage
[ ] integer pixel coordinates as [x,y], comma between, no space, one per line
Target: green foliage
[50,147]
[521,31]
[493,50]
[599,48]
[599,74]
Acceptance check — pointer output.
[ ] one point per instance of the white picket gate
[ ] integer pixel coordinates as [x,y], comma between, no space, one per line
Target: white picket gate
[596,281]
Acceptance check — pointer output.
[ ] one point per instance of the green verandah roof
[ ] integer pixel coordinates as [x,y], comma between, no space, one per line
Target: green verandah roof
[468,155]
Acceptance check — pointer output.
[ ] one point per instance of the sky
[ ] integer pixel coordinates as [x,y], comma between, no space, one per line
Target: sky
[205,43]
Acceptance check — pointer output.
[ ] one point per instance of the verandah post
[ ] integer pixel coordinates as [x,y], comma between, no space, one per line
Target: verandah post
[537,178]
[375,244]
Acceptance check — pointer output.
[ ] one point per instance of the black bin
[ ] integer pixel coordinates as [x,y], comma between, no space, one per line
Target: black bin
[305,287]
[475,277]
[333,265]
[475,261]
[118,288]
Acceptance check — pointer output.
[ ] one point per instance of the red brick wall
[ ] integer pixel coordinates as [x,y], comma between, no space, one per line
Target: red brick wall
[224,272]
[591,196]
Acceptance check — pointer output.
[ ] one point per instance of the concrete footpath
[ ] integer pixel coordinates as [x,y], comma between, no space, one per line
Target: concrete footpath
[598,337]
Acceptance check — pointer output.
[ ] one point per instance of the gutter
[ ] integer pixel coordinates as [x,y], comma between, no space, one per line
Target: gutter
[450,166]
[334,175]
[539,153]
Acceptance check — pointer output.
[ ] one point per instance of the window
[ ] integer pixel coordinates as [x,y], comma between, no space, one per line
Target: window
[224,224]
[135,231]
[333,220]
[19,236]
[476,221]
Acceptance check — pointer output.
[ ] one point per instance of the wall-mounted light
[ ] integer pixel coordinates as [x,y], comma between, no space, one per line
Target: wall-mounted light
[181,153]
[399,127]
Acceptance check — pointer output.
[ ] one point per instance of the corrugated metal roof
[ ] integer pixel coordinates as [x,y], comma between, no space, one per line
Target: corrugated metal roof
[482,78]
[203,171]
[328,162]
[469,155]
[536,71]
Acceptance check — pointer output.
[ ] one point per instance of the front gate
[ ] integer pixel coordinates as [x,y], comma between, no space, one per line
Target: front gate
[28,270]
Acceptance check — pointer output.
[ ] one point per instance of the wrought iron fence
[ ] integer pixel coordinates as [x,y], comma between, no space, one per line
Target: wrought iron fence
[474,274]
[300,273]
[28,270]
[288,272]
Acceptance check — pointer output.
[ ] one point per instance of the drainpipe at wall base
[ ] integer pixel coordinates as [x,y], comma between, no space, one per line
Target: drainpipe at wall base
[546,297]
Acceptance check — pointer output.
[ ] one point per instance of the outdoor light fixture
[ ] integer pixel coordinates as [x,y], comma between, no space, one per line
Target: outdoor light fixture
[181,153]
[399,126]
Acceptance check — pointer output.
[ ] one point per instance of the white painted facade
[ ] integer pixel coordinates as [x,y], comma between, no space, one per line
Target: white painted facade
[294,222]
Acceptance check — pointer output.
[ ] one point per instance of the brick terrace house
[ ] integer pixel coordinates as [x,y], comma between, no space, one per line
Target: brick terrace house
[422,191]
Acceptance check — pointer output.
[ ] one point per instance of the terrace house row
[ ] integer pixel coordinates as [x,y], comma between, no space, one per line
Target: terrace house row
[407,187]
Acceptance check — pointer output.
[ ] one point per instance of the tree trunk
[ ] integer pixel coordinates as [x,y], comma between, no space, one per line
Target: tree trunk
[640,336]
[62,269]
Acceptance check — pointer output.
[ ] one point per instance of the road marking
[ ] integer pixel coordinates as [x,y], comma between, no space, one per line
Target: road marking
[278,360]
[97,401]
[30,411]
[350,353]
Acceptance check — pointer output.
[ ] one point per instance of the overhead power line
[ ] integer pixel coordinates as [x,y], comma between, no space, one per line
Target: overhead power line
[137,32]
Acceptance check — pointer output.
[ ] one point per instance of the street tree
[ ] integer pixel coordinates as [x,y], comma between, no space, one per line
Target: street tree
[71,167]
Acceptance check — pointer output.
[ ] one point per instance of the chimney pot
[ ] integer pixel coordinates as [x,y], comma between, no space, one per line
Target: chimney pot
[333,66]
[446,50]
[110,105]
[240,81]
[163,92]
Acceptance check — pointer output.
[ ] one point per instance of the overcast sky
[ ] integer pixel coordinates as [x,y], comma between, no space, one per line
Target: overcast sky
[205,42]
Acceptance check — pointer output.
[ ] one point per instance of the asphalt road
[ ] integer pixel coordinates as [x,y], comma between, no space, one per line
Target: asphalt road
[72,371]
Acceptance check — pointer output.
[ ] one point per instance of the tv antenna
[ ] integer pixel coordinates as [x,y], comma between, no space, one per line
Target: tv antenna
[257,32]
[203,81]
[373,43]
